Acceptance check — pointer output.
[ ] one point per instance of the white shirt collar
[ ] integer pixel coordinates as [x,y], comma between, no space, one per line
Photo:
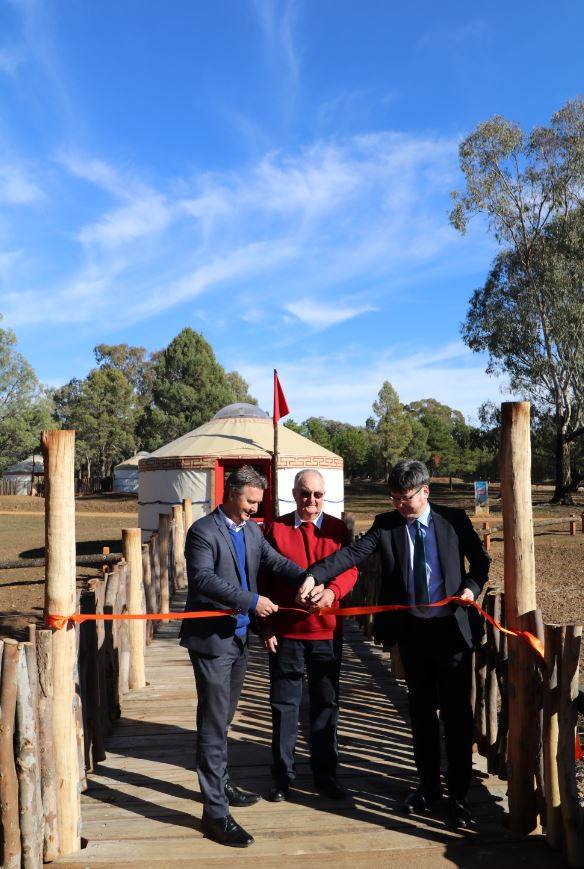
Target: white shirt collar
[424,517]
[298,521]
[230,523]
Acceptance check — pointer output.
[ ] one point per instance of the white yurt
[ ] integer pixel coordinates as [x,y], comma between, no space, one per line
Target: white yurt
[196,465]
[21,474]
[126,474]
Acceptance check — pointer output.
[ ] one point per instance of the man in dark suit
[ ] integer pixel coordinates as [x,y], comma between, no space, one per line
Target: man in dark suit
[224,552]
[423,548]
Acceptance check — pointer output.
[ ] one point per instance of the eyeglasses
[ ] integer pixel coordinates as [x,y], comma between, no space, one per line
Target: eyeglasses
[307,494]
[405,499]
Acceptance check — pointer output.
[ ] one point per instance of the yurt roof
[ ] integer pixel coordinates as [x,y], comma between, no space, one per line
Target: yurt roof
[132,462]
[239,436]
[26,466]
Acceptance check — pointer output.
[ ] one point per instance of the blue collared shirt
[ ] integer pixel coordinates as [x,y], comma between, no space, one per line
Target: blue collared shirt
[242,620]
[436,587]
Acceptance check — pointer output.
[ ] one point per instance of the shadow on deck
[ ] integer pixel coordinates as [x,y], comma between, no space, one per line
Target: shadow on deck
[143,806]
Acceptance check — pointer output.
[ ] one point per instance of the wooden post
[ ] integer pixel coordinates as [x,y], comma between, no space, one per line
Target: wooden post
[487,535]
[163,541]
[155,569]
[149,591]
[112,647]
[187,514]
[551,696]
[276,504]
[60,599]
[26,767]
[582,517]
[519,571]
[132,549]
[123,631]
[178,546]
[9,816]
[105,550]
[572,816]
[572,526]
[44,645]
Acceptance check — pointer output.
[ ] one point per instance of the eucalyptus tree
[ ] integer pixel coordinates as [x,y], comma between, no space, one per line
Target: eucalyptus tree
[529,315]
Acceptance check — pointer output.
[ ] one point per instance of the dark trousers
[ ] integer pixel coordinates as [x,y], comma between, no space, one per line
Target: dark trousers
[219,681]
[322,661]
[437,663]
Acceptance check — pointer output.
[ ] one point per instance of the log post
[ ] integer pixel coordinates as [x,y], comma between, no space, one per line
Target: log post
[163,542]
[132,549]
[44,645]
[149,591]
[112,646]
[572,816]
[551,695]
[155,568]
[123,631]
[31,833]
[9,815]
[187,505]
[487,535]
[582,518]
[519,571]
[178,546]
[60,599]
[572,526]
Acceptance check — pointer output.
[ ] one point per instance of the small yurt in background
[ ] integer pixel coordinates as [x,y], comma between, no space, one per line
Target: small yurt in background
[20,475]
[196,465]
[126,474]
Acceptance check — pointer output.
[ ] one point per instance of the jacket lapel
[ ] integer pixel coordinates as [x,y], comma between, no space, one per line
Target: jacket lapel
[227,537]
[249,547]
[398,533]
[443,531]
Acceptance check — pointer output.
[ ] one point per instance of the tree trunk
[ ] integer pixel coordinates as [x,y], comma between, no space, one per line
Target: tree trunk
[563,469]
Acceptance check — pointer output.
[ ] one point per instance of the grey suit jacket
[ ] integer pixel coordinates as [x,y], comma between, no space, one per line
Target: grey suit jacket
[456,539]
[215,583]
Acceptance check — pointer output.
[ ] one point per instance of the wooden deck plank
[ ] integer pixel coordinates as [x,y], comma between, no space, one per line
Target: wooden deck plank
[143,804]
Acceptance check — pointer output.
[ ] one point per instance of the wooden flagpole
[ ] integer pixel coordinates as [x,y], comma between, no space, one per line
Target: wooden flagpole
[275,457]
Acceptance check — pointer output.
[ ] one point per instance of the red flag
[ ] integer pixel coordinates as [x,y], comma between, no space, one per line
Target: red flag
[280,404]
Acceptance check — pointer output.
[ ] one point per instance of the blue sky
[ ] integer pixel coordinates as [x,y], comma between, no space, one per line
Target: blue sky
[273,174]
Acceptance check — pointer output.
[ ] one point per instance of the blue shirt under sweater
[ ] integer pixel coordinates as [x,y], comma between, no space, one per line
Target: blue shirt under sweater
[238,539]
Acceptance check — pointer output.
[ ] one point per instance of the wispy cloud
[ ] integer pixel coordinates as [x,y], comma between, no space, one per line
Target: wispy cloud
[344,386]
[278,22]
[319,315]
[322,234]
[16,187]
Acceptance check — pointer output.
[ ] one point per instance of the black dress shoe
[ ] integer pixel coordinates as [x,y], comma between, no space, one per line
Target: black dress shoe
[459,815]
[226,831]
[331,788]
[421,799]
[239,798]
[279,793]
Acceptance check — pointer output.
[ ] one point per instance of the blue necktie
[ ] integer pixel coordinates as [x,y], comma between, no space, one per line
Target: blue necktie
[420,573]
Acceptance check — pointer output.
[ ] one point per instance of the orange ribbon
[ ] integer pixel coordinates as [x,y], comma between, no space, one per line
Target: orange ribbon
[58,622]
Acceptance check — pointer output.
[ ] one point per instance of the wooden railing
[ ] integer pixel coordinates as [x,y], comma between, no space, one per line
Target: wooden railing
[105,660]
[553,685]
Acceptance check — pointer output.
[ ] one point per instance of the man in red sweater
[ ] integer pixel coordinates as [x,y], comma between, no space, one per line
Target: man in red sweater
[310,642]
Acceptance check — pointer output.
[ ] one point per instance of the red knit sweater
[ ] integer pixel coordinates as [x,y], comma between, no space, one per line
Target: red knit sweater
[290,541]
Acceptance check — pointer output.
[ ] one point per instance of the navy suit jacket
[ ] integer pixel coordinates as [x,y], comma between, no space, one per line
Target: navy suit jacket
[215,583]
[456,540]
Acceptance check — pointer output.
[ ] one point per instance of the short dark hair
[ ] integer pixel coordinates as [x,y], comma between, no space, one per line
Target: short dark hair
[245,476]
[408,474]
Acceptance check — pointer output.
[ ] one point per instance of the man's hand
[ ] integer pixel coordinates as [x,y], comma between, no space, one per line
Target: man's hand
[322,597]
[265,607]
[466,594]
[304,590]
[270,643]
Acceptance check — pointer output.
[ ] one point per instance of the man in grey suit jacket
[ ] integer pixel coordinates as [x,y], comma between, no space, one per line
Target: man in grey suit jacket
[224,552]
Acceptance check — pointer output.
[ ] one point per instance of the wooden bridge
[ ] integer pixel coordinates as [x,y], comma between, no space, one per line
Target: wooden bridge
[143,807]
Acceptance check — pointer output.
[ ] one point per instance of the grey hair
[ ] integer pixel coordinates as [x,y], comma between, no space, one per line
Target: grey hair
[301,474]
[408,474]
[245,476]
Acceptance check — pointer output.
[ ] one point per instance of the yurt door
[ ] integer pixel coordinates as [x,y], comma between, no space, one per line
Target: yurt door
[223,467]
